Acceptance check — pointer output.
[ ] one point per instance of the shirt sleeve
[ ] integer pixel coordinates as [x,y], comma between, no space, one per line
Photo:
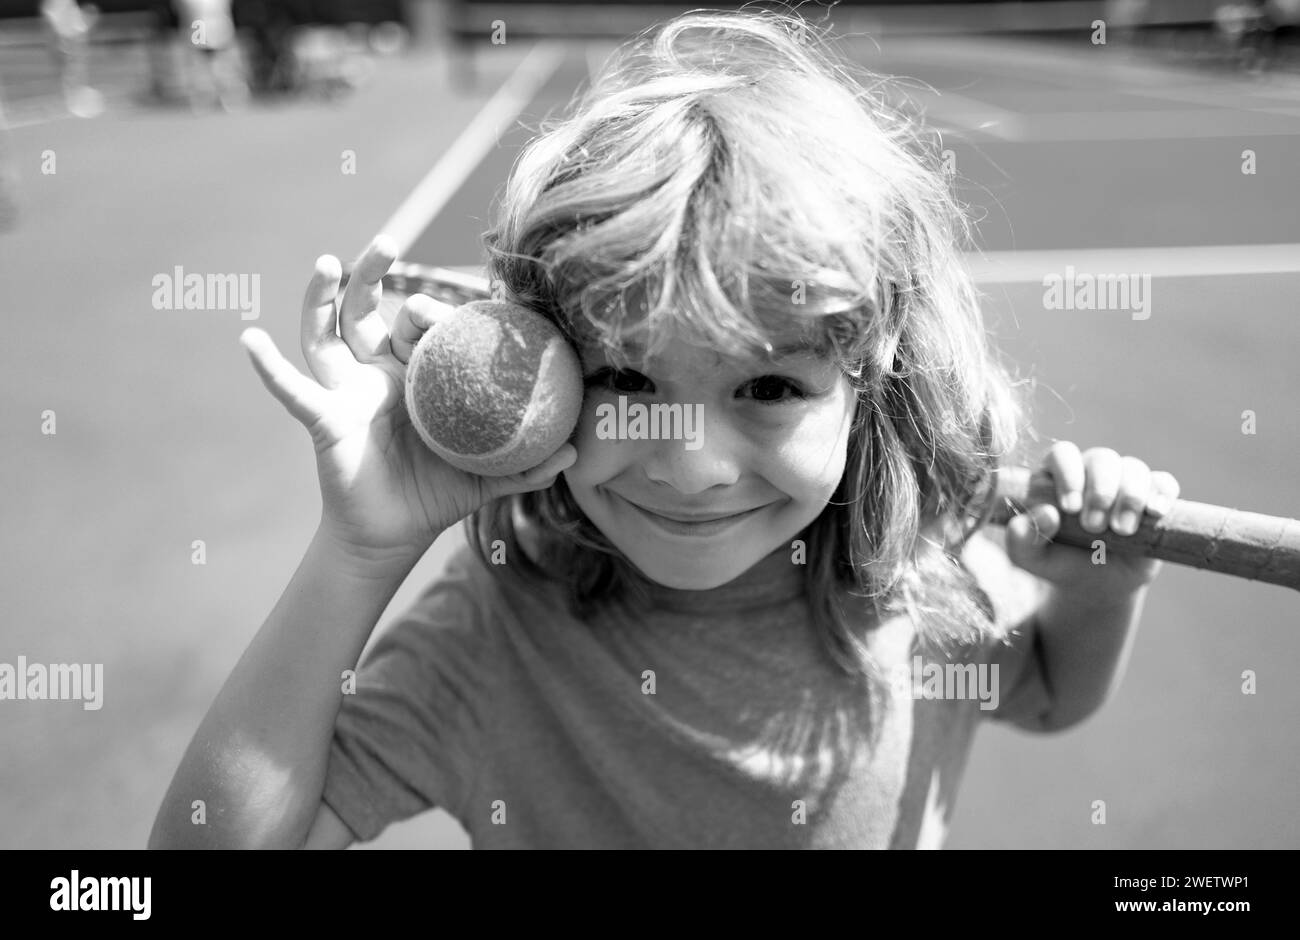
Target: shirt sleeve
[410,737]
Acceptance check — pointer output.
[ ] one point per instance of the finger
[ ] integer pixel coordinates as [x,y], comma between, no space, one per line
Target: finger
[1040,523]
[1131,500]
[327,356]
[300,395]
[1066,465]
[1029,537]
[1165,490]
[419,313]
[360,323]
[1102,469]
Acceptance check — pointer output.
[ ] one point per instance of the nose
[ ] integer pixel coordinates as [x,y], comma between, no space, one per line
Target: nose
[718,460]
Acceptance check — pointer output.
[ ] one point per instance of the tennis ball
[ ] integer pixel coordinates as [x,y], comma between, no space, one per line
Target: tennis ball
[494,389]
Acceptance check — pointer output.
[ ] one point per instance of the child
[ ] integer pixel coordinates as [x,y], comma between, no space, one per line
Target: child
[652,645]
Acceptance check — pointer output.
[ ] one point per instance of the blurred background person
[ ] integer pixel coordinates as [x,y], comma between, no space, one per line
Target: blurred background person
[1257,34]
[271,24]
[69,27]
[215,68]
[165,84]
[1279,28]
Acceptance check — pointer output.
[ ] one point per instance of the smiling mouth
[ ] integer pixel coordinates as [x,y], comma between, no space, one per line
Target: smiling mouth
[694,525]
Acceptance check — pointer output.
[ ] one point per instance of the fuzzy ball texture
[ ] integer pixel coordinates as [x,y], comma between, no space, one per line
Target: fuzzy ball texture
[494,389]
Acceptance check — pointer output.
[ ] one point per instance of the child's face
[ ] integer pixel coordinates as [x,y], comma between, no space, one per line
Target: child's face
[758,449]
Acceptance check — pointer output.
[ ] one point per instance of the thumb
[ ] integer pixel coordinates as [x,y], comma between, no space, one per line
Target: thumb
[300,395]
[1029,538]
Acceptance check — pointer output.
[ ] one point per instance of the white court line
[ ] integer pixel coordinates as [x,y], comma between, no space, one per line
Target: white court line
[970,114]
[1013,58]
[1167,124]
[1123,72]
[1153,125]
[1230,120]
[1030,267]
[1240,97]
[447,176]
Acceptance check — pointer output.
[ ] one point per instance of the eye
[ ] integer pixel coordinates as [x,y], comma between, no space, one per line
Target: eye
[619,380]
[769,389]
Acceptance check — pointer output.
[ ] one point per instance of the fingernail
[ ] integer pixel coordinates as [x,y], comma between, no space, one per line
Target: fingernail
[1094,519]
[1126,523]
[1073,501]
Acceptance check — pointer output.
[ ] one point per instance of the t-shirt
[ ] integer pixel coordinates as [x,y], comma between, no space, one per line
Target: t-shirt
[705,719]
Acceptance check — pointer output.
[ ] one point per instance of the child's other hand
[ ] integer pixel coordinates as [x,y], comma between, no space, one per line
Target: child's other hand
[382,489]
[1110,493]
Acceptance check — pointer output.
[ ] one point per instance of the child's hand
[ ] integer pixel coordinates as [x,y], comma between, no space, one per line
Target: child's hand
[1110,492]
[382,489]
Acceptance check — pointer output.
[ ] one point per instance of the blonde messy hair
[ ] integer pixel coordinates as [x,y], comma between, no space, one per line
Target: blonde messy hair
[721,164]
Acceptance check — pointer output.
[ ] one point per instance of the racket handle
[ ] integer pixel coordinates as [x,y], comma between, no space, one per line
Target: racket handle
[1229,541]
